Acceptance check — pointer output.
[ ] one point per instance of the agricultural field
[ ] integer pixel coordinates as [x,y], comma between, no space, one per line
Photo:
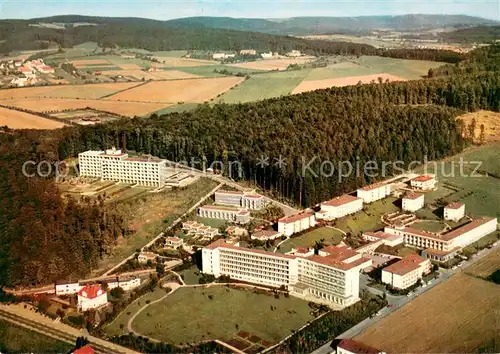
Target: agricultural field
[89,91]
[127,109]
[85,116]
[176,323]
[485,266]
[456,316]
[271,64]
[479,192]
[262,86]
[173,62]
[145,75]
[311,85]
[189,90]
[20,120]
[17,339]
[148,215]
[329,235]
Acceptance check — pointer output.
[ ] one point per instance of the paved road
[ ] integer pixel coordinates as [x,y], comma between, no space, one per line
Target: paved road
[396,302]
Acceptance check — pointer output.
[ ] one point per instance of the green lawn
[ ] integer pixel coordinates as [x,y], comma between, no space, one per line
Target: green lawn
[431,226]
[208,70]
[211,222]
[16,339]
[189,275]
[262,86]
[480,193]
[170,53]
[330,236]
[189,315]
[369,218]
[115,328]
[369,65]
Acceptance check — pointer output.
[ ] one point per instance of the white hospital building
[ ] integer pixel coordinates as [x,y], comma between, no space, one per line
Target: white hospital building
[296,223]
[413,202]
[374,192]
[115,165]
[332,278]
[240,199]
[406,272]
[454,211]
[338,207]
[237,215]
[443,246]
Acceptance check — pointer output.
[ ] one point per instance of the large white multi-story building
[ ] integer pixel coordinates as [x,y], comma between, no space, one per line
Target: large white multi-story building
[296,223]
[443,245]
[454,211]
[413,202]
[332,278]
[406,272]
[115,165]
[338,207]
[240,199]
[423,182]
[374,192]
[237,215]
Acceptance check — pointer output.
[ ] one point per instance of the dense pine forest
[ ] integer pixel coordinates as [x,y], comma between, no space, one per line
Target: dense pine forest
[44,236]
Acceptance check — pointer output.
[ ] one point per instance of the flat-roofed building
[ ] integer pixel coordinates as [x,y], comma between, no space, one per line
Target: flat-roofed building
[265,235]
[374,192]
[144,257]
[339,207]
[127,283]
[237,215]
[388,239]
[174,242]
[115,165]
[350,346]
[413,202]
[301,251]
[248,200]
[449,241]
[406,272]
[312,277]
[180,179]
[454,211]
[67,288]
[296,223]
[423,182]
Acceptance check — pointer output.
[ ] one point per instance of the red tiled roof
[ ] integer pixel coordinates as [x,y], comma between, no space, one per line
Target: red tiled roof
[254,196]
[374,186]
[357,347]
[24,69]
[173,239]
[467,227]
[339,253]
[413,196]
[455,205]
[331,262]
[301,249]
[382,235]
[86,349]
[91,291]
[343,199]
[423,178]
[406,264]
[296,217]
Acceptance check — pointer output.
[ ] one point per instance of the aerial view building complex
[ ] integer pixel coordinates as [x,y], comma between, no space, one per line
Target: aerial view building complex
[331,278]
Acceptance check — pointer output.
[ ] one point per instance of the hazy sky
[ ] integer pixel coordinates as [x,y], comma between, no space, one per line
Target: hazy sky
[168,9]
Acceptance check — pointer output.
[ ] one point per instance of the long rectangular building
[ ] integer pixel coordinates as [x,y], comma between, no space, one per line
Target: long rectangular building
[117,166]
[339,207]
[330,278]
[247,200]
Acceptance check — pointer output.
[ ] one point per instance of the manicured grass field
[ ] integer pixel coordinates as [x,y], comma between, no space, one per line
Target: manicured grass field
[456,316]
[211,222]
[16,339]
[369,218]
[262,86]
[479,192]
[330,236]
[431,226]
[189,276]
[119,325]
[189,315]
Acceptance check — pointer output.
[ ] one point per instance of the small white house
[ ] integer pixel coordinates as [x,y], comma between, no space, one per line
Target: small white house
[173,242]
[454,211]
[296,223]
[144,257]
[413,202]
[423,182]
[91,297]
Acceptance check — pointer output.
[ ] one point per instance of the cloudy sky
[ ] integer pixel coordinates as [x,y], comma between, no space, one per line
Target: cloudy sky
[168,9]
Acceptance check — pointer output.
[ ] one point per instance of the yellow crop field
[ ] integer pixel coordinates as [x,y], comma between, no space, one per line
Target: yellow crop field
[89,91]
[457,316]
[485,266]
[155,75]
[128,109]
[189,90]
[20,120]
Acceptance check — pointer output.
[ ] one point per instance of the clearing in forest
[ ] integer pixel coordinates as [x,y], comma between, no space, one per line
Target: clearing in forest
[189,90]
[491,122]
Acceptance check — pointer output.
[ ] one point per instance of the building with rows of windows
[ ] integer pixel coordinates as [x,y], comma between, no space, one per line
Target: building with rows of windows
[248,200]
[115,165]
[331,278]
